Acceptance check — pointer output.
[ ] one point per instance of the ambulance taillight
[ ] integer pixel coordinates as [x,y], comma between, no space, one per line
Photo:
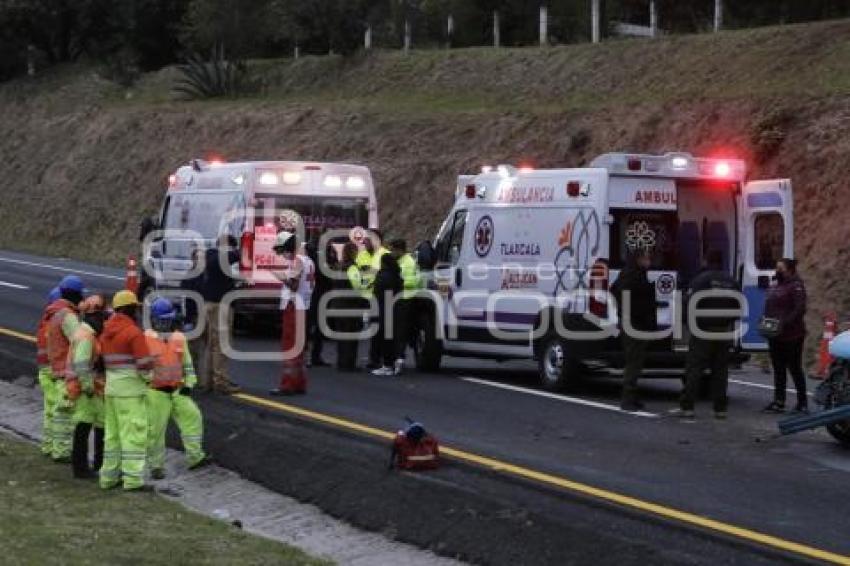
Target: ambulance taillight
[172,181]
[246,258]
[598,304]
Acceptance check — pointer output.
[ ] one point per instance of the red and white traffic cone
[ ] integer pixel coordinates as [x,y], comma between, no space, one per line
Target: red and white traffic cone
[131,281]
[830,324]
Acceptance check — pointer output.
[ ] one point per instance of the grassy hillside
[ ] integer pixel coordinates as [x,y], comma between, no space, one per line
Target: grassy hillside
[83,159]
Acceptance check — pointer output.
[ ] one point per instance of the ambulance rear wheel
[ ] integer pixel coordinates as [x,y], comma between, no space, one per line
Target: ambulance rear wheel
[558,369]
[426,345]
[840,431]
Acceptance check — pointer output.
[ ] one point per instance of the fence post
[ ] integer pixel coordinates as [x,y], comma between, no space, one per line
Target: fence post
[406,36]
[450,29]
[31,60]
[497,40]
[594,21]
[653,18]
[367,38]
[718,15]
[544,25]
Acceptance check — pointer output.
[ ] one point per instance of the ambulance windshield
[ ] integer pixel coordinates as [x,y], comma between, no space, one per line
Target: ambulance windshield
[208,214]
[319,214]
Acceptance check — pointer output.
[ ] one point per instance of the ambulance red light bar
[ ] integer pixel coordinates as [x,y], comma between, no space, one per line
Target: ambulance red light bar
[172,181]
[573,189]
[471,191]
[634,164]
[722,169]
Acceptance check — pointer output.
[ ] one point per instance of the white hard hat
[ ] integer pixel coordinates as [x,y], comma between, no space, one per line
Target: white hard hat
[282,237]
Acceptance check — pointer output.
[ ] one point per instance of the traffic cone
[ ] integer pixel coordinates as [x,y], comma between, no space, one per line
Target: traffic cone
[131,281]
[830,323]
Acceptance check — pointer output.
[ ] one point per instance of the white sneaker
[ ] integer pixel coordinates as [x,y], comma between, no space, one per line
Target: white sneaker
[383,371]
[398,366]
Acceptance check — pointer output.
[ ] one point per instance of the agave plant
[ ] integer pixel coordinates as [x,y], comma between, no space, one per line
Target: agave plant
[210,79]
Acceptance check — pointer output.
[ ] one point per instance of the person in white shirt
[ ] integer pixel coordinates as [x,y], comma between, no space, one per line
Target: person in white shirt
[297,279]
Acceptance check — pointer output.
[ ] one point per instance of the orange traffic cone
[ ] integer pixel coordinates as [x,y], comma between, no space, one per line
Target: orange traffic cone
[830,323]
[131,281]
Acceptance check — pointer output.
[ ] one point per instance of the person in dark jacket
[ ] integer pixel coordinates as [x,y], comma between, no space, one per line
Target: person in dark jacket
[323,284]
[710,352]
[388,284]
[638,312]
[217,283]
[786,301]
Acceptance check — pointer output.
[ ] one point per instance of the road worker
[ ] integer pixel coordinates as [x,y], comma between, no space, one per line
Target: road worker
[61,326]
[294,306]
[85,382]
[45,376]
[169,395]
[405,311]
[353,300]
[128,364]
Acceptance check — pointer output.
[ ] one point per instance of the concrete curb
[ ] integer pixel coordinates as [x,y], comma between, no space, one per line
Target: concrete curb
[222,494]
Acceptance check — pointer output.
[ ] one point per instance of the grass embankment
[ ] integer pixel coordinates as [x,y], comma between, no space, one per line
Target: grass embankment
[46,517]
[84,159]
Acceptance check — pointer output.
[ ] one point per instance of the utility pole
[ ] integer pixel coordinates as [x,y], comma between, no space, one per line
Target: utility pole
[653,18]
[718,15]
[450,29]
[544,25]
[367,38]
[497,40]
[30,60]
[406,36]
[594,21]
[297,52]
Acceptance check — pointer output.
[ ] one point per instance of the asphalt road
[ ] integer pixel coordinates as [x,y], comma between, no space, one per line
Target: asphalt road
[728,471]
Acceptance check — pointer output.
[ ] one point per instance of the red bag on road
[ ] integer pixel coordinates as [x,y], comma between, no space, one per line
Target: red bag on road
[415,449]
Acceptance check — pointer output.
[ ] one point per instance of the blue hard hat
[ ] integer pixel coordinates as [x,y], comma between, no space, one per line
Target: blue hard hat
[163,309]
[54,295]
[72,283]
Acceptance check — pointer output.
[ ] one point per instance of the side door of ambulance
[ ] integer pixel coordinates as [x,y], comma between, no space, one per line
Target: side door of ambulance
[767,235]
[448,271]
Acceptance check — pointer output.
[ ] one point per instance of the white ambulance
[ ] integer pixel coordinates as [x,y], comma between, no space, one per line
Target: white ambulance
[519,242]
[249,201]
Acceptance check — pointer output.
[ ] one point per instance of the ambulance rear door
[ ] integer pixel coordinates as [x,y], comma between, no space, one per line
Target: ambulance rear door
[766,236]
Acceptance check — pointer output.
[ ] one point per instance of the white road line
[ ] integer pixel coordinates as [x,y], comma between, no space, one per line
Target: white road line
[763,386]
[556,397]
[12,285]
[66,269]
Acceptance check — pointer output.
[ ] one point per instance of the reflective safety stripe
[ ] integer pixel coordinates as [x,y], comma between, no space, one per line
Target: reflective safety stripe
[120,366]
[421,458]
[107,358]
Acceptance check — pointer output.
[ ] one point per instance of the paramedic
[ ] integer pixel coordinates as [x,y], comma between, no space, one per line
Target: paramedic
[355,300]
[294,301]
[406,313]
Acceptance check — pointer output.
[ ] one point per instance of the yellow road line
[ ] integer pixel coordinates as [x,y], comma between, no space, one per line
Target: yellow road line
[570,485]
[18,335]
[550,479]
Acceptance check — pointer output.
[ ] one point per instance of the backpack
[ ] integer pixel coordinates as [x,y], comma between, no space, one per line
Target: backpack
[415,449]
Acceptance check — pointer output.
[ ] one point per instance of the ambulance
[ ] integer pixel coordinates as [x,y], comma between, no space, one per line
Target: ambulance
[523,246]
[250,201]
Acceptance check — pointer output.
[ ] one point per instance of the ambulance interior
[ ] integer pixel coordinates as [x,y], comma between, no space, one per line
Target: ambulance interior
[702,226]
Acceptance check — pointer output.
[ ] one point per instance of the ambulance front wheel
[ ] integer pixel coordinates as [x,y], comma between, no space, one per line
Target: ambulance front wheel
[558,369]
[427,346]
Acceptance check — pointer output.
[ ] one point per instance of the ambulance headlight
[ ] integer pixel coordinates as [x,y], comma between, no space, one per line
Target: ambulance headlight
[268,178]
[291,177]
[333,181]
[355,182]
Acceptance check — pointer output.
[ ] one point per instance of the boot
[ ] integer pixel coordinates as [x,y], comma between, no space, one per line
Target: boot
[80,452]
[98,449]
